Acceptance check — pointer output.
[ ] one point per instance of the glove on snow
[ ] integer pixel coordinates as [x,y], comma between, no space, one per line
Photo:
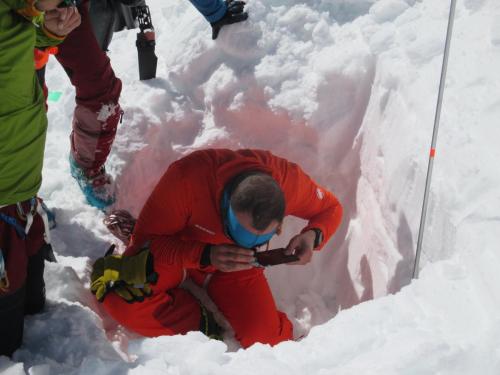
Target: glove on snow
[233,14]
[129,277]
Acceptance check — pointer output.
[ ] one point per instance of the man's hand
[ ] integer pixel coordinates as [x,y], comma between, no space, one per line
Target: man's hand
[230,258]
[302,245]
[233,14]
[62,21]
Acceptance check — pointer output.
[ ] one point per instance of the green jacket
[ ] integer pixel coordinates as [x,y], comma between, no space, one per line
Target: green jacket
[23,121]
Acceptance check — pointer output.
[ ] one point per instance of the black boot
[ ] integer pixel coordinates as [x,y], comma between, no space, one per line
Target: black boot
[35,285]
[11,321]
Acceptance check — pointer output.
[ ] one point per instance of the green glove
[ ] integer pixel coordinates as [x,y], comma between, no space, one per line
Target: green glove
[127,276]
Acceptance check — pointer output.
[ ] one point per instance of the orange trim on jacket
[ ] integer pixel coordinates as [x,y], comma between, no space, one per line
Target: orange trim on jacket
[182,214]
[42,56]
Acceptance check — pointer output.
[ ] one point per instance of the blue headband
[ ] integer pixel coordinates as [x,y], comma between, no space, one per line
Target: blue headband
[239,234]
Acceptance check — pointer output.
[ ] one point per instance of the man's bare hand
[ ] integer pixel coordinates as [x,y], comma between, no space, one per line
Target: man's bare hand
[302,245]
[45,5]
[230,258]
[62,21]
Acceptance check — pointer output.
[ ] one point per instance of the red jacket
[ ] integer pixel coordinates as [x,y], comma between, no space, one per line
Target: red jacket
[182,214]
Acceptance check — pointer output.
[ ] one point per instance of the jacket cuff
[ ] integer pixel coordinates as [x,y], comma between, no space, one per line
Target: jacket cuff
[218,13]
[29,11]
[51,35]
[205,256]
[318,243]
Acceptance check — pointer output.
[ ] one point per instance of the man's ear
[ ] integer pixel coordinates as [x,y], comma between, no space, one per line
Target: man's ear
[279,229]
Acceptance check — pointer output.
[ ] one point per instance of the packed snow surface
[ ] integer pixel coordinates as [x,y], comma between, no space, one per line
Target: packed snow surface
[346,88]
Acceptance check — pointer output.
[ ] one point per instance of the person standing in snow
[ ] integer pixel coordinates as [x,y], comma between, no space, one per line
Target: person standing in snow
[204,219]
[97,111]
[23,125]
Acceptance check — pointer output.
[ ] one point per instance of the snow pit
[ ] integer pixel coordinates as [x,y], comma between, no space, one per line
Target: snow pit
[347,89]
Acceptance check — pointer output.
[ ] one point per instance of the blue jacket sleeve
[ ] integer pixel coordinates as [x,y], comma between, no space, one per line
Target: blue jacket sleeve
[212,10]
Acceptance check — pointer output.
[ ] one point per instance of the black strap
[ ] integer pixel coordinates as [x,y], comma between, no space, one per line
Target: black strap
[205,256]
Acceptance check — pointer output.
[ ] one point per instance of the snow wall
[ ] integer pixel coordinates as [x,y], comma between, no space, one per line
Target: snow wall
[347,89]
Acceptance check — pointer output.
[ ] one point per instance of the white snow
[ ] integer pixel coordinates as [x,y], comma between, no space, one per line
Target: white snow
[346,88]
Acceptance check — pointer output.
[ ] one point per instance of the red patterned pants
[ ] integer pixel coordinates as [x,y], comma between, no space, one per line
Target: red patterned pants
[97,111]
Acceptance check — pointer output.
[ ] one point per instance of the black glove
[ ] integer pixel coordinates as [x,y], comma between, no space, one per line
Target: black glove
[233,14]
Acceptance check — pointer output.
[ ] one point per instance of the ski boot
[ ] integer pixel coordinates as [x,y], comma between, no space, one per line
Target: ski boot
[97,186]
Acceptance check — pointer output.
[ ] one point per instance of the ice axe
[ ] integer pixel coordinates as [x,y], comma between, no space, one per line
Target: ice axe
[115,15]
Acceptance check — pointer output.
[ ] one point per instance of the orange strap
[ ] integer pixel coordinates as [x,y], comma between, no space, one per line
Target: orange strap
[42,56]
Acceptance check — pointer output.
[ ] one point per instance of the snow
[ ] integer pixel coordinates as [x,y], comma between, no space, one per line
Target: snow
[346,88]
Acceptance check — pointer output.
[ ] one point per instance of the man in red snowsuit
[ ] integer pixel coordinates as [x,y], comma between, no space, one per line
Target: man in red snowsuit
[203,218]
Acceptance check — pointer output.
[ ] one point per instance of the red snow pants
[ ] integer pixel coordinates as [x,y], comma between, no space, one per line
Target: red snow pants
[243,297]
[97,111]
[24,261]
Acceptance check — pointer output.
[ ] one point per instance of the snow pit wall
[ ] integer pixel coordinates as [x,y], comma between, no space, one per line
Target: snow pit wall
[344,88]
[327,85]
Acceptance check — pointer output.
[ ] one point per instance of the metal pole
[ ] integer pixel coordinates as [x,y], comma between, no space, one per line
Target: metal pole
[434,137]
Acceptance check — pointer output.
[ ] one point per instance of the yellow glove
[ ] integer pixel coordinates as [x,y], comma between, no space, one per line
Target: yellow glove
[129,276]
